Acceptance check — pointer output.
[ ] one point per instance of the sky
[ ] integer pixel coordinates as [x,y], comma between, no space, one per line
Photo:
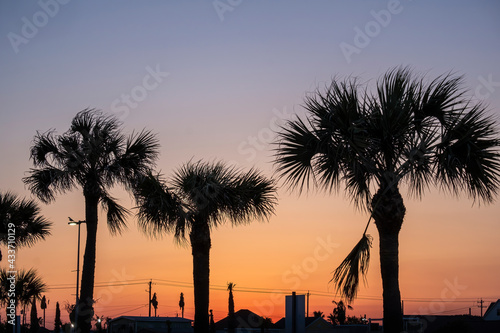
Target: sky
[215,80]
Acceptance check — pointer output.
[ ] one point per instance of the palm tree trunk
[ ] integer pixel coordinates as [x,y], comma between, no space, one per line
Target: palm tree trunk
[388,213]
[389,267]
[200,246]
[85,310]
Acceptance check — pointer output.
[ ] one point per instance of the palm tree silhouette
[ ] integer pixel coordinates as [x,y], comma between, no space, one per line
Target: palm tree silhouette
[318,314]
[181,304]
[408,132]
[231,324]
[23,217]
[43,306]
[339,312]
[95,156]
[57,320]
[27,287]
[34,320]
[202,196]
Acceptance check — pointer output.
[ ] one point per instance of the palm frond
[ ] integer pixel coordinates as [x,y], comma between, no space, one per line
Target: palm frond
[213,192]
[468,156]
[418,163]
[159,209]
[143,146]
[116,214]
[44,146]
[46,182]
[347,275]
[297,146]
[28,285]
[250,196]
[440,98]
[24,214]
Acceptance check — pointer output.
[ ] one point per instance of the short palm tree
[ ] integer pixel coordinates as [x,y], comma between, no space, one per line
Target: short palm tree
[408,132]
[339,312]
[95,156]
[202,196]
[27,287]
[22,217]
[181,304]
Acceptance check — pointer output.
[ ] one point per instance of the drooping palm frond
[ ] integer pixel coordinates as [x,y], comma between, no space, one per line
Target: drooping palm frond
[346,276]
[45,183]
[116,214]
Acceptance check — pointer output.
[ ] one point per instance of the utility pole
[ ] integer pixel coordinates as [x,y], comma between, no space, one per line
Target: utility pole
[150,282]
[481,302]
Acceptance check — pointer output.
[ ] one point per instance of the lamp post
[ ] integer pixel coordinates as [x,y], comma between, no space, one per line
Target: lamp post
[78,223]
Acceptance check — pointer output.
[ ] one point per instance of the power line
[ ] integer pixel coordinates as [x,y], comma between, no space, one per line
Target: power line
[259,290]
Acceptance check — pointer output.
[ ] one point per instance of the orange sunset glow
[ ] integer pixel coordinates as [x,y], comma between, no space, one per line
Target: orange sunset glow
[216,85]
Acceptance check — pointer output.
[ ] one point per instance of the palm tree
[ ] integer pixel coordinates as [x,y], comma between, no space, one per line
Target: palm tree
[409,132]
[201,197]
[95,156]
[34,320]
[181,304]
[318,314]
[339,312]
[43,306]
[21,219]
[28,286]
[57,320]
[231,324]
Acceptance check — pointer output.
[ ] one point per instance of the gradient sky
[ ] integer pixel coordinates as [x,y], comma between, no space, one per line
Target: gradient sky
[213,79]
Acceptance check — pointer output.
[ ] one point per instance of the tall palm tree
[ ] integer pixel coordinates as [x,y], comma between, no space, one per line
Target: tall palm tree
[22,217]
[409,131]
[27,287]
[202,196]
[95,156]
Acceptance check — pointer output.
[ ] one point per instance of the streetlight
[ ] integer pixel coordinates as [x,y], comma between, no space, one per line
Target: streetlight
[78,223]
